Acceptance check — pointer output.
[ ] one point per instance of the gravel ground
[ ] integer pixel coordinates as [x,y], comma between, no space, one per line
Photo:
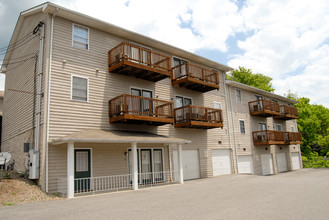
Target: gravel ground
[21,190]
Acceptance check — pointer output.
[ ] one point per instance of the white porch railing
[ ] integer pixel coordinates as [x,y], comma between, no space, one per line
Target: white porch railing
[118,182]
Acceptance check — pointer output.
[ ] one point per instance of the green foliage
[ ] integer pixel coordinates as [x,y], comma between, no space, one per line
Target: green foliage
[313,123]
[315,161]
[246,76]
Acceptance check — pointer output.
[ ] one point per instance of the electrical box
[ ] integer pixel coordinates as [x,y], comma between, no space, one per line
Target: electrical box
[34,164]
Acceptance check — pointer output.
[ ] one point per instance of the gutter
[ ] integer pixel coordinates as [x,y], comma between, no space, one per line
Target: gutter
[234,138]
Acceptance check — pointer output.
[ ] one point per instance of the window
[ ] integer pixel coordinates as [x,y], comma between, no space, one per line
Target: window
[182,101]
[262,126]
[278,127]
[258,97]
[182,69]
[79,88]
[142,106]
[292,129]
[238,95]
[242,127]
[80,37]
[274,100]
[217,105]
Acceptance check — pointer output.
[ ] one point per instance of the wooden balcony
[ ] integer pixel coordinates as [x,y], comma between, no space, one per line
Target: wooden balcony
[192,116]
[293,137]
[195,77]
[287,112]
[133,60]
[264,108]
[140,110]
[268,137]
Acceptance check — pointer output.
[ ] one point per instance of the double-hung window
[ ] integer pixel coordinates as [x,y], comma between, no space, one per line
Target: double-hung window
[80,38]
[242,127]
[217,105]
[79,88]
[238,95]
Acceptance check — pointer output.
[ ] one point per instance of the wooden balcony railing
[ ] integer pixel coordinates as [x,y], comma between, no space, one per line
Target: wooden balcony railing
[195,77]
[293,137]
[287,112]
[268,137]
[264,108]
[140,110]
[133,60]
[192,116]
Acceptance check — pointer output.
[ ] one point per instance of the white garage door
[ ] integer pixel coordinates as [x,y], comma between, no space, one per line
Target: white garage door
[191,165]
[282,162]
[245,164]
[267,164]
[295,160]
[221,162]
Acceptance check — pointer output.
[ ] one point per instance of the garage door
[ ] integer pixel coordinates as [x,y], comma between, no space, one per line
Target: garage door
[221,162]
[191,165]
[295,160]
[245,164]
[267,164]
[282,162]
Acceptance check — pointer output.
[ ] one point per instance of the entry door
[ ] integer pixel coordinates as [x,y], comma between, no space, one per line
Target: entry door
[146,166]
[82,169]
[139,105]
[267,164]
[282,162]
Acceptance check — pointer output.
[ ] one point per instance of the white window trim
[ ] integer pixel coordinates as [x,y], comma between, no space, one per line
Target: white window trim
[72,75]
[262,97]
[244,122]
[73,24]
[216,102]
[236,96]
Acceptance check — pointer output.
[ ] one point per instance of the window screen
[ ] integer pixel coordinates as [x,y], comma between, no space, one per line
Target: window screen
[79,88]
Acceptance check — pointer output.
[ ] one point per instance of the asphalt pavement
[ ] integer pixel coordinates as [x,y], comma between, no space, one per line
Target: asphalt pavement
[302,194]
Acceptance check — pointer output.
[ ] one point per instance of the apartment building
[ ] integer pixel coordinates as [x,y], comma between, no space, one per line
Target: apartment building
[92,107]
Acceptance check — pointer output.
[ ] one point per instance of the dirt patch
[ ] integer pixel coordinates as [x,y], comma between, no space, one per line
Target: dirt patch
[21,190]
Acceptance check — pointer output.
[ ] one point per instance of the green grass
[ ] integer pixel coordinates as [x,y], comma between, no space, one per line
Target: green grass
[8,203]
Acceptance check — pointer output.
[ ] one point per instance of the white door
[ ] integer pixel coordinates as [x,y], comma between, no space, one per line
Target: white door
[245,164]
[221,162]
[191,165]
[267,164]
[282,162]
[295,160]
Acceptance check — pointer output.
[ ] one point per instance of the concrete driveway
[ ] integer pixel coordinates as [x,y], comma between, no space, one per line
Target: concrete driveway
[302,194]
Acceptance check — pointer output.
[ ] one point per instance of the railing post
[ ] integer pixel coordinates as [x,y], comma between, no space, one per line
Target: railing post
[180,163]
[189,113]
[134,167]
[124,104]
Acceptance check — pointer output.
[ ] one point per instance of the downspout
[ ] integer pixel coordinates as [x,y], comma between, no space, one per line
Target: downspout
[228,124]
[49,83]
[234,138]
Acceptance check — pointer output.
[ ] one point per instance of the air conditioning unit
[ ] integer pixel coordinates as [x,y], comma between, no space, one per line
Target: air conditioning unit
[34,164]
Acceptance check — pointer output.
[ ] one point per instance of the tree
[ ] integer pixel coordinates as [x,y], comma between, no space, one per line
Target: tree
[246,76]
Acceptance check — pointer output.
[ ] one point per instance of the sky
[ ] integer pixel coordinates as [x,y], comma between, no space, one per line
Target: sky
[287,40]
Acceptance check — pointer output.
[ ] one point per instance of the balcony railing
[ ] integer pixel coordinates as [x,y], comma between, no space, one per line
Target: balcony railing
[264,108]
[287,112]
[133,60]
[94,185]
[195,77]
[268,137]
[140,110]
[192,116]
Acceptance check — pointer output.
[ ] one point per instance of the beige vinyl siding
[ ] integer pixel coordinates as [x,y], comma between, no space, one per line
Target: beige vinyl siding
[106,160]
[18,104]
